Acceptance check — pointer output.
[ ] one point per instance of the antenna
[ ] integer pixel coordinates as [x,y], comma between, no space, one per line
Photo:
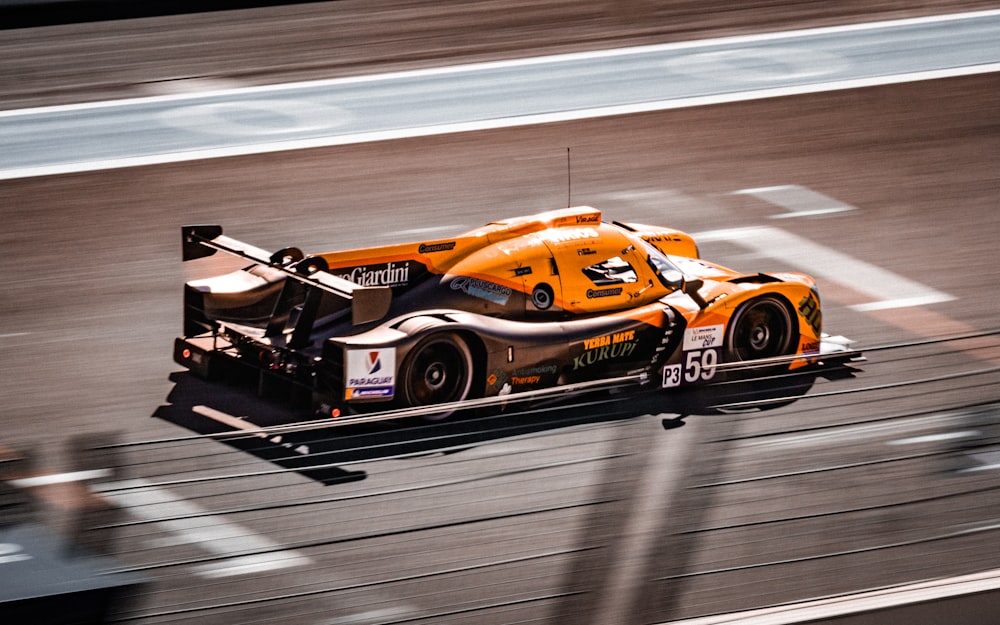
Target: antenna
[569,181]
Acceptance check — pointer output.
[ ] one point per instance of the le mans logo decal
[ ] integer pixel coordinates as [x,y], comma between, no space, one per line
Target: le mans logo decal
[370,373]
[703,337]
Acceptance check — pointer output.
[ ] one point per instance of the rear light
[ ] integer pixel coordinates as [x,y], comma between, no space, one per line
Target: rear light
[324,411]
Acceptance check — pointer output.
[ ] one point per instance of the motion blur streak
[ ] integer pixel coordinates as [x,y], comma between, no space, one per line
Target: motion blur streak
[493,96]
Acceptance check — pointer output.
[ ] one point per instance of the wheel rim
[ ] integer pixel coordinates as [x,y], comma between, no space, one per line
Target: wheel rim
[439,371]
[762,330]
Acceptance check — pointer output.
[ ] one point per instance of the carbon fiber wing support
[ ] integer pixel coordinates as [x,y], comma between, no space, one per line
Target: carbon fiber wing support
[367,303]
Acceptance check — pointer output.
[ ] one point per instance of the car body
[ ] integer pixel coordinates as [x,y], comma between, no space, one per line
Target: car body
[537,302]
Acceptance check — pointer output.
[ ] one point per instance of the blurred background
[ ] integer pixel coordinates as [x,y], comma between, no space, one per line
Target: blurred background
[118,501]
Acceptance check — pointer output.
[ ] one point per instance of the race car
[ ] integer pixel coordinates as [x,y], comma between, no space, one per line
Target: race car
[543,301]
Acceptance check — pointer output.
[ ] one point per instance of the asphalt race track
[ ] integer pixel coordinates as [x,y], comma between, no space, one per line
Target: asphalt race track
[598,509]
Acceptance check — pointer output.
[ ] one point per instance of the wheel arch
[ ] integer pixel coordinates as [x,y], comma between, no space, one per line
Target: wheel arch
[477,346]
[784,300]
[420,327]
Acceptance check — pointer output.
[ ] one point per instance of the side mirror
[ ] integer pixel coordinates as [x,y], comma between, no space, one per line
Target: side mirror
[690,287]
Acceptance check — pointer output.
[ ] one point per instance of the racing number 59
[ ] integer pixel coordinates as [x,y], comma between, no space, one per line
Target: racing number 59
[700,364]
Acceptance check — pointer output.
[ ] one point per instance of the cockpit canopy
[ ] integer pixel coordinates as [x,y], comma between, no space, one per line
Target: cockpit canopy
[570,262]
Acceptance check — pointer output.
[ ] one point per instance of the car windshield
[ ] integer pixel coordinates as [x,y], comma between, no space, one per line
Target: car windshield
[666,271]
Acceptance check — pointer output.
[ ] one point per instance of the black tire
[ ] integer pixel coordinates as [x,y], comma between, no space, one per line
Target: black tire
[437,370]
[762,328]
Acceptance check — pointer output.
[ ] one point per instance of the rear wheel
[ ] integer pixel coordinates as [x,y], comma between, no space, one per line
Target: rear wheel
[437,371]
[761,328]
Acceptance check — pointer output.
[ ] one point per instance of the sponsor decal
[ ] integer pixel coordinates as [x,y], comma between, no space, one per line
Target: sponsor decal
[539,370]
[522,271]
[610,339]
[523,377]
[525,380]
[810,347]
[427,248]
[660,237]
[565,235]
[389,274]
[368,393]
[489,291]
[703,337]
[592,218]
[595,293]
[497,378]
[603,353]
[370,373]
[809,309]
[585,251]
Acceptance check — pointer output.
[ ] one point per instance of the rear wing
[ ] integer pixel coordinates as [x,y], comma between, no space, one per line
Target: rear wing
[367,303]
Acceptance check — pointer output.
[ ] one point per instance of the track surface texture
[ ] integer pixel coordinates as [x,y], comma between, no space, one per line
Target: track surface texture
[156,55]
[599,513]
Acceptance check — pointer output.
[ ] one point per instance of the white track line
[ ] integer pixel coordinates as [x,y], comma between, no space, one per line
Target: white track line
[524,62]
[870,602]
[798,201]
[490,124]
[59,478]
[890,290]
[210,533]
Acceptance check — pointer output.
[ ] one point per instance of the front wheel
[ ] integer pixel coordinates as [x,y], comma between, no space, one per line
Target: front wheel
[761,328]
[438,370]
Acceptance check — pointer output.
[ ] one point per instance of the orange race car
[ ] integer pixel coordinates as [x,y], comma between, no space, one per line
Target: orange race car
[550,300]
